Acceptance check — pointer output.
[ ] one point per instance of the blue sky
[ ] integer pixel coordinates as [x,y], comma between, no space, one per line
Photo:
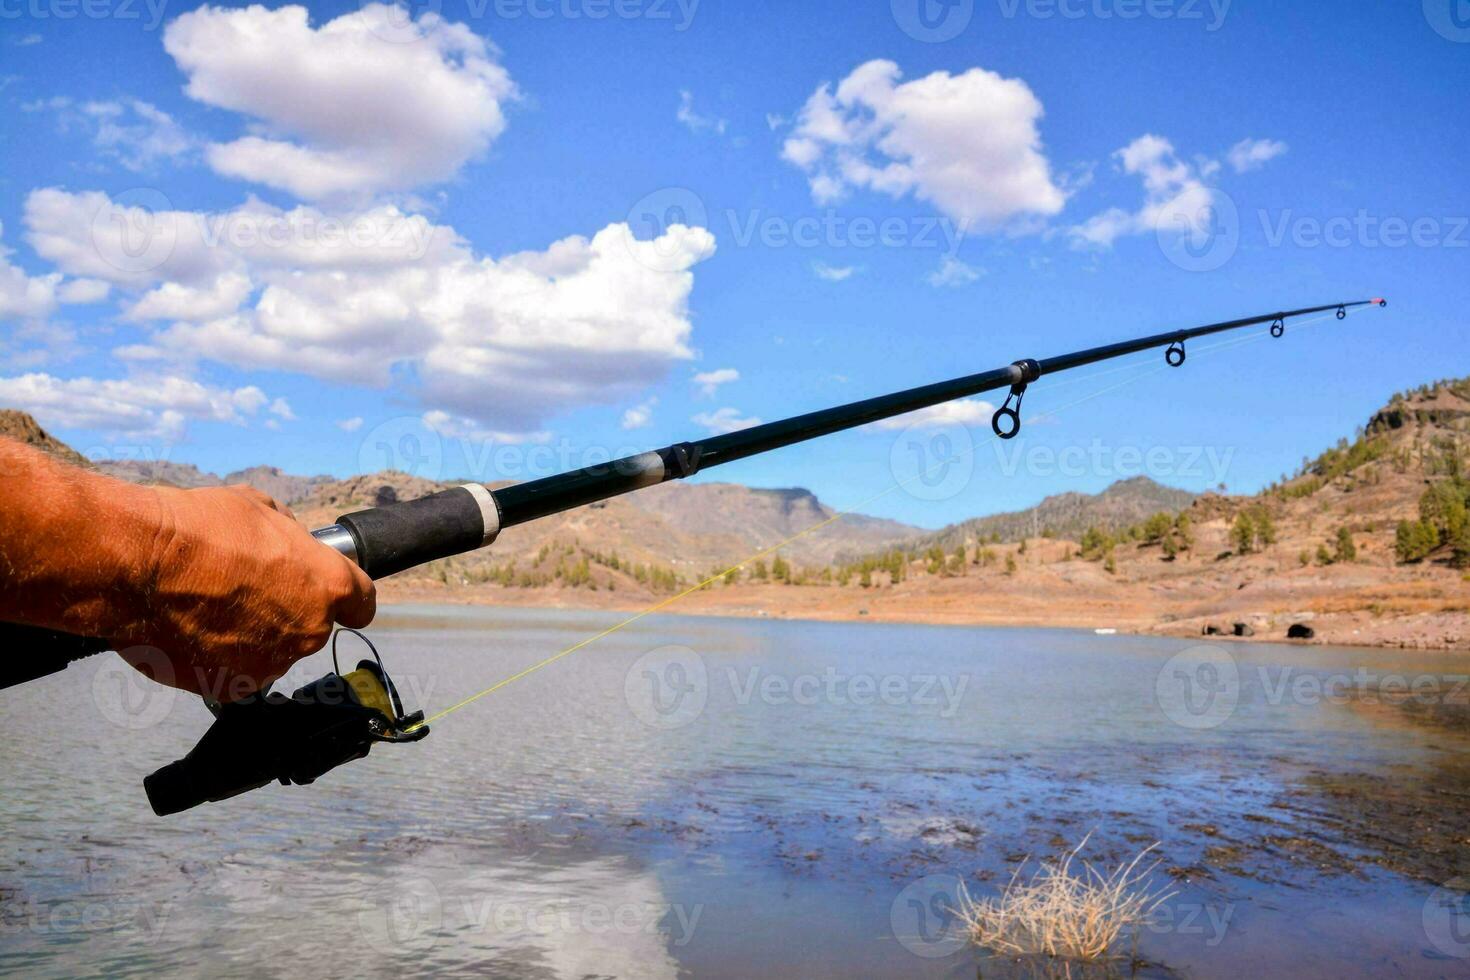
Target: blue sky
[1016,226]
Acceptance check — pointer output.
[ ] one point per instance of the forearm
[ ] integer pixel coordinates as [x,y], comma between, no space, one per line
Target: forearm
[77,549]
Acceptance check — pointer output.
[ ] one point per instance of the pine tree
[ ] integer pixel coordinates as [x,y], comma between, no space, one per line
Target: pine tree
[1243,533]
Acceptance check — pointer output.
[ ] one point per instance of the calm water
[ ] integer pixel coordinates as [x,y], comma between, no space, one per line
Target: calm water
[731,798]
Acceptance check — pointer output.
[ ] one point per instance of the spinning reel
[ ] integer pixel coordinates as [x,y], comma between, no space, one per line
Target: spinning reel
[266,737]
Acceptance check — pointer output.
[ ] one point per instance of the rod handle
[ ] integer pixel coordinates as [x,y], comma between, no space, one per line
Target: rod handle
[29,652]
[399,536]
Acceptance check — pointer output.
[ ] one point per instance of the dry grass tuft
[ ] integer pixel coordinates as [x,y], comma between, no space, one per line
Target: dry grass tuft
[1062,912]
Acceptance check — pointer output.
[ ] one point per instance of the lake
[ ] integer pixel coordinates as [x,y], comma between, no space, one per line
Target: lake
[736,798]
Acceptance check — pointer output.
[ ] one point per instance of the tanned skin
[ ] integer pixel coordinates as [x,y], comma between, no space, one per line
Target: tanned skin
[217,591]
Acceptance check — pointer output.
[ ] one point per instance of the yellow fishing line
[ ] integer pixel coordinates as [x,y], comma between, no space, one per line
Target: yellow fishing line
[862,504]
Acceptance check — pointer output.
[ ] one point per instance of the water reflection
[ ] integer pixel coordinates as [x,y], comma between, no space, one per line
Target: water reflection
[721,798]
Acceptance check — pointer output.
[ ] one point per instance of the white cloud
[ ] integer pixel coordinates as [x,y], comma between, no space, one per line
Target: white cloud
[84,291]
[136,133]
[966,143]
[365,103]
[350,425]
[694,121]
[1253,154]
[23,296]
[282,409]
[639,416]
[966,411]
[724,420]
[146,406]
[460,427]
[28,40]
[1175,194]
[952,272]
[833,273]
[709,381]
[176,301]
[505,342]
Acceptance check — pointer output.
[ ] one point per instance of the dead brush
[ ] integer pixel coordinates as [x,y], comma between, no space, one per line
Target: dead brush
[1064,913]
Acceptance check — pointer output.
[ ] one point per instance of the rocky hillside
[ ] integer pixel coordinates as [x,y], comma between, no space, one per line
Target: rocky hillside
[1369,543]
[283,486]
[678,527]
[1068,515]
[22,428]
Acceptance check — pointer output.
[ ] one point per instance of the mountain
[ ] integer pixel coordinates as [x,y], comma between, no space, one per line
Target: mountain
[268,479]
[1068,515]
[162,472]
[1368,543]
[687,527]
[285,487]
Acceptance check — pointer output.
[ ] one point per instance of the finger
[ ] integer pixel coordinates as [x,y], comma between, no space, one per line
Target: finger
[359,605]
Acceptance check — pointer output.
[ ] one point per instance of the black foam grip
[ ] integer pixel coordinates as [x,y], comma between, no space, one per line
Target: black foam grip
[28,652]
[399,536]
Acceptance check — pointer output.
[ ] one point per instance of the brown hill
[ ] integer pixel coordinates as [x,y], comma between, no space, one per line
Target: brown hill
[1368,544]
[1068,515]
[23,428]
[683,528]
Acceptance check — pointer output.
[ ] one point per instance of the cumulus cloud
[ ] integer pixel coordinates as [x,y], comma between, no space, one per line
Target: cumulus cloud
[695,122]
[177,301]
[157,407]
[965,411]
[137,134]
[25,297]
[710,381]
[365,103]
[966,143]
[833,273]
[954,273]
[84,291]
[1253,154]
[725,420]
[639,416]
[381,295]
[1175,195]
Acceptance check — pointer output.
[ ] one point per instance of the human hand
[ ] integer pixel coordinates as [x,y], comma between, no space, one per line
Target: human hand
[238,592]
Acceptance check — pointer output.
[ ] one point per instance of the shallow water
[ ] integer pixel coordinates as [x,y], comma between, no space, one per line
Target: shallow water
[732,798]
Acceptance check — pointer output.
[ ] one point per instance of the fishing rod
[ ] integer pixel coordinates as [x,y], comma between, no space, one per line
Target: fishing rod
[336,719]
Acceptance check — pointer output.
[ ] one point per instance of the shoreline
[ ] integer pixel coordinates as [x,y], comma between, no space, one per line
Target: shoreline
[1337,629]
